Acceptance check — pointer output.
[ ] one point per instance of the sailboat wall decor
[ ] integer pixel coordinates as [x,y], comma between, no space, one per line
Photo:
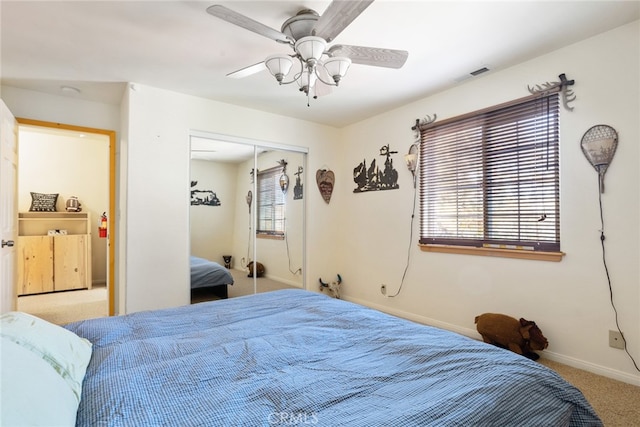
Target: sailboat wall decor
[372,178]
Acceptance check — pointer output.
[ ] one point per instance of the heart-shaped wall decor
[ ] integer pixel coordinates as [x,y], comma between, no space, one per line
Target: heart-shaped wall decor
[325,179]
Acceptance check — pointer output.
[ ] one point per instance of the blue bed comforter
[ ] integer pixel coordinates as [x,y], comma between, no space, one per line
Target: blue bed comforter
[294,357]
[205,273]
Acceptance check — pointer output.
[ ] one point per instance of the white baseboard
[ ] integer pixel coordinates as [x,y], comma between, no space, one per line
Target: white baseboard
[472,333]
[592,367]
[285,281]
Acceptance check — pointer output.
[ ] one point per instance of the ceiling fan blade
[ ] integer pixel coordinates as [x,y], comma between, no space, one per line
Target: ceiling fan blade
[339,14]
[322,89]
[247,71]
[245,22]
[375,56]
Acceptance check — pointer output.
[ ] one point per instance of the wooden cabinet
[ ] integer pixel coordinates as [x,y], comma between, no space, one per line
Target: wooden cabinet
[58,262]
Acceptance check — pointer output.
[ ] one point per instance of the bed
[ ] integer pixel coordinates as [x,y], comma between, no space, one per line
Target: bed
[294,357]
[209,274]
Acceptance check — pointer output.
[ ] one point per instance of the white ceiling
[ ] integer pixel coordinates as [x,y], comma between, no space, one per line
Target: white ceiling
[221,151]
[97,46]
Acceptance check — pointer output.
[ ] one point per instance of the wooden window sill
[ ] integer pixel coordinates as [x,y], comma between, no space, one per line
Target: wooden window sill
[270,236]
[495,252]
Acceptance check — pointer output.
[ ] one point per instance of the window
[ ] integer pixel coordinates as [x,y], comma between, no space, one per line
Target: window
[271,203]
[490,179]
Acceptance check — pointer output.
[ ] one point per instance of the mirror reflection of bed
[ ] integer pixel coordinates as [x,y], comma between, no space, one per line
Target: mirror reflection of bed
[222,221]
[209,279]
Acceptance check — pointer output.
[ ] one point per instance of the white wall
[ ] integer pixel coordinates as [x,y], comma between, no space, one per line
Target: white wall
[569,300]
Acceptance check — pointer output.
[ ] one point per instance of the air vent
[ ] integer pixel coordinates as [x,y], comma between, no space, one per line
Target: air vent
[479,71]
[471,74]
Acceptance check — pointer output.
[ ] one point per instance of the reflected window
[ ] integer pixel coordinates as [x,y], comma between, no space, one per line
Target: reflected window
[271,203]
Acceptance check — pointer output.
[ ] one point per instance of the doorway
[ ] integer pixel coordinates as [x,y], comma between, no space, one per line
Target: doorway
[69,167]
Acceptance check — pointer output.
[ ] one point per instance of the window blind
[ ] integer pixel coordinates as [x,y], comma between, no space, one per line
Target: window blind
[271,202]
[491,178]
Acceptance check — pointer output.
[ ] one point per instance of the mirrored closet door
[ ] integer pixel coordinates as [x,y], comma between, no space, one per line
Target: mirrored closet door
[247,203]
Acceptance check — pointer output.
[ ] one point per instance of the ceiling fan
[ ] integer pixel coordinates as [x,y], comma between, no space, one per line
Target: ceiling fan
[308,34]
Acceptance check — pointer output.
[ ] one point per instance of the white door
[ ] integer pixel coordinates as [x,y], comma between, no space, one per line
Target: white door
[8,208]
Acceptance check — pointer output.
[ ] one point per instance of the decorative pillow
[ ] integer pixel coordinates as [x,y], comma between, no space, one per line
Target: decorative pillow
[31,393]
[64,351]
[43,202]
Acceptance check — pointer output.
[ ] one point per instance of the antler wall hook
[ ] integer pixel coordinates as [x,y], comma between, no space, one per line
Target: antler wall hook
[562,86]
[426,121]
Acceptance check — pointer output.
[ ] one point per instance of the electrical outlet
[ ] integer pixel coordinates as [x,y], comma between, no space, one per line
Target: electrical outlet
[615,340]
[383,289]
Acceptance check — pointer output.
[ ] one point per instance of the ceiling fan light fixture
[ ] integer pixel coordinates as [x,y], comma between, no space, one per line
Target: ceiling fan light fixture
[279,66]
[309,33]
[310,48]
[307,79]
[337,67]
[301,24]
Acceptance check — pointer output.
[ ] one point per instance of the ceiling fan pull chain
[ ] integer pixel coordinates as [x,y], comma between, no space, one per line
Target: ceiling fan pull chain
[310,70]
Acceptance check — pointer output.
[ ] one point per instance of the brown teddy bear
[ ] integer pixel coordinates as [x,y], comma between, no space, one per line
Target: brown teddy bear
[521,336]
[259,269]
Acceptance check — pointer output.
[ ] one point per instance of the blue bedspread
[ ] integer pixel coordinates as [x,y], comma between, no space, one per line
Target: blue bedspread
[294,357]
[205,273]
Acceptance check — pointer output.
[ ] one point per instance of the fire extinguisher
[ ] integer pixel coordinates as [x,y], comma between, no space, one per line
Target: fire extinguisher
[102,228]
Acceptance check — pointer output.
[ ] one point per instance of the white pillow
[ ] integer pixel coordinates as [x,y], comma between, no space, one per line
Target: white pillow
[31,391]
[64,351]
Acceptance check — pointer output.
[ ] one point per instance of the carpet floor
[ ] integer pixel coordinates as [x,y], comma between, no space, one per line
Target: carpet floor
[65,307]
[616,403]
